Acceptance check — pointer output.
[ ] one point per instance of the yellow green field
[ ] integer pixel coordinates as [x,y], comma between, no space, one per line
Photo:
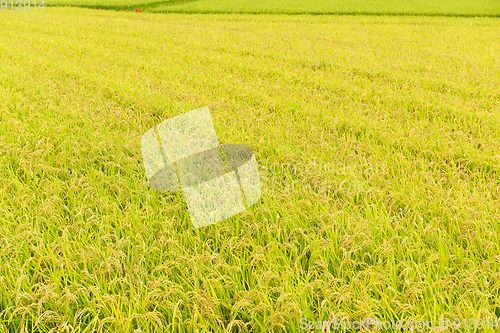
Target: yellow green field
[467,8]
[391,7]
[378,144]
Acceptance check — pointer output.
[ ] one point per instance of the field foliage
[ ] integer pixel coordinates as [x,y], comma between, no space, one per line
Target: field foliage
[393,7]
[114,4]
[377,139]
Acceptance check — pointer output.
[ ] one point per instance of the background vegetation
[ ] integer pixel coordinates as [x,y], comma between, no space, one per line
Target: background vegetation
[378,144]
[394,7]
[374,7]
